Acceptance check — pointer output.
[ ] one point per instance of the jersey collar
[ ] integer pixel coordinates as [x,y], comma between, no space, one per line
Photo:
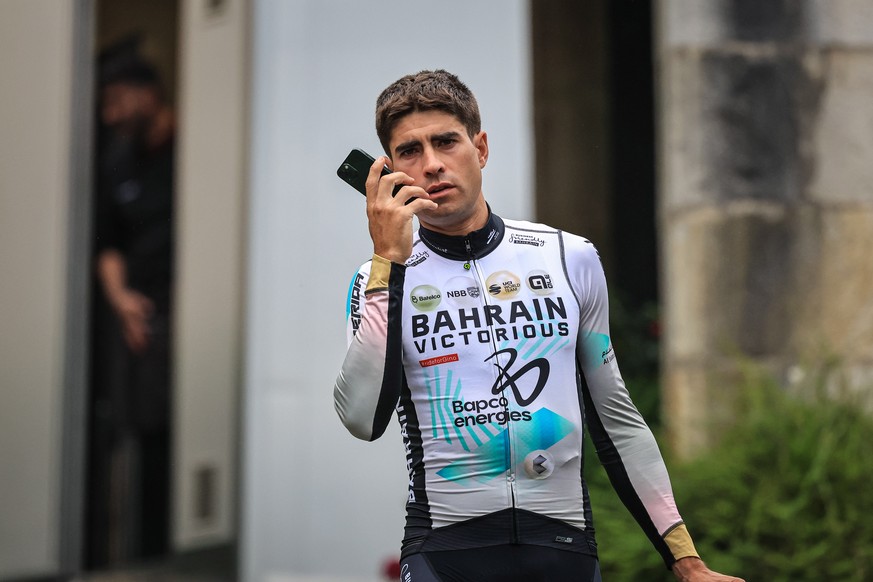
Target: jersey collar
[474,245]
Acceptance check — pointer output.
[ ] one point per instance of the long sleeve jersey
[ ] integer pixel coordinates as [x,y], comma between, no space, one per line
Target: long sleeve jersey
[493,349]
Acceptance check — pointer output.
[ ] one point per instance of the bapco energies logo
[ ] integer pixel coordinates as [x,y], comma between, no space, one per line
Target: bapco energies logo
[425,297]
[503,284]
[509,378]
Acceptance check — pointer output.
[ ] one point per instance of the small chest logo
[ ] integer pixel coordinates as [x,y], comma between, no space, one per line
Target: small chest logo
[462,292]
[526,239]
[503,284]
[540,282]
[417,259]
[425,297]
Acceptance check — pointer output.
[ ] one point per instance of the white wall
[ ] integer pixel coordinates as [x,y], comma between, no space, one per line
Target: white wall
[316,501]
[35,108]
[210,226]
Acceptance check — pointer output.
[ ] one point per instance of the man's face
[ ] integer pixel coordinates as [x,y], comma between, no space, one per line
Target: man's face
[127,108]
[434,149]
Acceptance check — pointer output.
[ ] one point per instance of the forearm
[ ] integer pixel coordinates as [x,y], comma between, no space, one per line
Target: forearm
[633,461]
[368,385]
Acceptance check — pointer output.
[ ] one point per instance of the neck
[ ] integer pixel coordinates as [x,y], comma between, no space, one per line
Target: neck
[471,245]
[476,220]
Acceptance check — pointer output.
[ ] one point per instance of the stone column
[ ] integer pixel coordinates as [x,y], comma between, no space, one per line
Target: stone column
[766,197]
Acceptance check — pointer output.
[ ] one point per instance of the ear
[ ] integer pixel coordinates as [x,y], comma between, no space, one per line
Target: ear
[480,141]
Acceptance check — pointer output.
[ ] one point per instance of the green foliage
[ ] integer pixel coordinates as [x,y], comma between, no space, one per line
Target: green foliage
[635,331]
[786,495]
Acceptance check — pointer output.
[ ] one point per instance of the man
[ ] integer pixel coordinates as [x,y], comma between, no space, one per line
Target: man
[134,255]
[491,338]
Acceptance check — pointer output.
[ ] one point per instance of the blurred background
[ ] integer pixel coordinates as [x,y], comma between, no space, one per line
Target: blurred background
[717,153]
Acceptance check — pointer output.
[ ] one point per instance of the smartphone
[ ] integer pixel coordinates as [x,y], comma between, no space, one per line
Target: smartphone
[355,169]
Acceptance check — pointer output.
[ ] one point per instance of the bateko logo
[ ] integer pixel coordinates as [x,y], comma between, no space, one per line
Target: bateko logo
[425,297]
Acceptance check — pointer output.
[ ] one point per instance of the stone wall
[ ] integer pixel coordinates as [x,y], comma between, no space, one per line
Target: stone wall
[766,198]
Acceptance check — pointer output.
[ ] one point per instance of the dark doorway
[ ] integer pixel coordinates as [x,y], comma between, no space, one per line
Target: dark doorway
[633,179]
[593,82]
[128,500]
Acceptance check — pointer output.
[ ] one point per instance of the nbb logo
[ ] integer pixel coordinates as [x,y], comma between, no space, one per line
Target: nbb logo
[468,292]
[462,291]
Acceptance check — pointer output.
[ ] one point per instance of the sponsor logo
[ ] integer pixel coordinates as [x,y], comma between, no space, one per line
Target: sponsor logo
[526,239]
[355,303]
[503,284]
[417,259]
[404,432]
[462,292]
[539,464]
[564,540]
[508,379]
[486,412]
[445,329]
[540,282]
[406,575]
[448,358]
[425,297]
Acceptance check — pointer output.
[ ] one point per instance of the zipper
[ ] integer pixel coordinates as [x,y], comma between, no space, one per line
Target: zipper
[473,265]
[470,258]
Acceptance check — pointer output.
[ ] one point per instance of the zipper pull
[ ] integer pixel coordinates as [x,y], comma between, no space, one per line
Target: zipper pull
[469,248]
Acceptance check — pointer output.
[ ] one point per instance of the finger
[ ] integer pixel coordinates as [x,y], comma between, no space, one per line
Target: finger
[408,192]
[374,175]
[417,205]
[395,181]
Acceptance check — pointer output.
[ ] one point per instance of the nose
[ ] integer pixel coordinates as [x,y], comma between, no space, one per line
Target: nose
[431,163]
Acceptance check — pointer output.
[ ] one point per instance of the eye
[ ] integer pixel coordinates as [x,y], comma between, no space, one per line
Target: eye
[408,152]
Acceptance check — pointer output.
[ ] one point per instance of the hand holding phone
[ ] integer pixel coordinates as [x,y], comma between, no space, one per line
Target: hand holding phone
[355,169]
[391,231]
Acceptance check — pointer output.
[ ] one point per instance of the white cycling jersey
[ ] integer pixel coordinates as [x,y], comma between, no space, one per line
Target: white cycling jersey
[493,349]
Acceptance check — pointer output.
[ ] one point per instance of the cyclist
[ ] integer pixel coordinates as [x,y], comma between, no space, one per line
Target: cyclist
[489,337]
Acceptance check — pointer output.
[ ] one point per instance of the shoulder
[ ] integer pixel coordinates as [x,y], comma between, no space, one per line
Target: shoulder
[580,248]
[529,234]
[576,248]
[528,226]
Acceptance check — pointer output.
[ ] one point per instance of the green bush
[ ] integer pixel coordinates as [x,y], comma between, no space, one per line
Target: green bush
[787,495]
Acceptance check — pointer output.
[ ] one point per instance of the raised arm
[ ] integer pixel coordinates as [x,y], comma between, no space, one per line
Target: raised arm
[368,386]
[369,382]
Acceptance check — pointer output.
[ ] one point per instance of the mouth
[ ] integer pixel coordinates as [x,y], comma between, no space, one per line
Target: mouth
[439,188]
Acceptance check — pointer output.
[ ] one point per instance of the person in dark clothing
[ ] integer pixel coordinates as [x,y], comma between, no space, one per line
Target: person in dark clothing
[134,269]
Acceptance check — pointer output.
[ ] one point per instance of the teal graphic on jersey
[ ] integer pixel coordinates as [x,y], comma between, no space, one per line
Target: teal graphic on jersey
[492,459]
